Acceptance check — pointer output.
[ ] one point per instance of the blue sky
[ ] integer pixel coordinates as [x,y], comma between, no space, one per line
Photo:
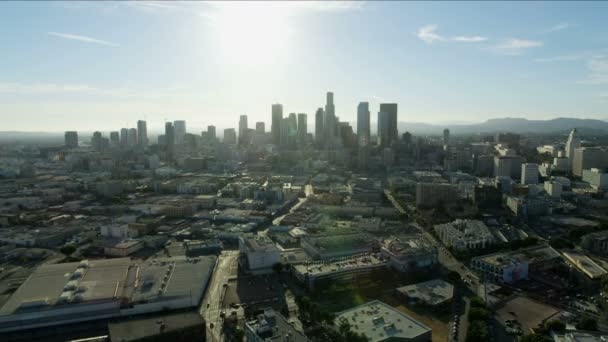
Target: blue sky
[104,65]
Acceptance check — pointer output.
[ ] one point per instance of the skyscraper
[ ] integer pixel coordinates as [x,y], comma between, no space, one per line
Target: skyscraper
[142,133]
[319,118]
[114,139]
[179,127]
[132,137]
[124,137]
[387,124]
[243,127]
[71,139]
[529,173]
[169,140]
[260,127]
[230,136]
[446,137]
[211,132]
[329,124]
[302,127]
[277,121]
[96,141]
[363,129]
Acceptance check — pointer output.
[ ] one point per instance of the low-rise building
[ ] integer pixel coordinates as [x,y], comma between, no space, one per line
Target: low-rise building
[431,194]
[272,326]
[380,322]
[596,242]
[513,266]
[409,252]
[342,269]
[261,254]
[465,234]
[432,293]
[597,178]
[335,246]
[585,265]
[123,248]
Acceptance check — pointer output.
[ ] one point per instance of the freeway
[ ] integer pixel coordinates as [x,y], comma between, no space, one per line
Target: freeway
[212,304]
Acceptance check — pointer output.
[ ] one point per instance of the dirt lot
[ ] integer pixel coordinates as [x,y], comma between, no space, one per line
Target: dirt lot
[528,312]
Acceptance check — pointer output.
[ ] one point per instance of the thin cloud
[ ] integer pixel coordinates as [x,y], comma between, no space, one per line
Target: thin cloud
[428,34]
[515,47]
[562,58]
[80,38]
[597,67]
[472,39]
[558,27]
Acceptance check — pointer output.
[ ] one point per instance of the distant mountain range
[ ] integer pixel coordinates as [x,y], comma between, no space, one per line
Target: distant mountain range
[515,125]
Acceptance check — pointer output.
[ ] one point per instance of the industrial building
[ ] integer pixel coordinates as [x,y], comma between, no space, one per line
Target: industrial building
[431,293]
[56,294]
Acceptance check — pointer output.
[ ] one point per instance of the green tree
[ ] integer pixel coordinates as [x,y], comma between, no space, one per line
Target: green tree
[555,325]
[535,338]
[477,332]
[478,314]
[68,250]
[477,302]
[587,323]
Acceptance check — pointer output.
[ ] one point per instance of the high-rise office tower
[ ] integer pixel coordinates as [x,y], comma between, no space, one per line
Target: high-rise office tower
[211,132]
[387,124]
[96,141]
[243,127]
[132,137]
[446,137]
[179,128]
[572,144]
[586,158]
[302,127]
[330,123]
[319,118]
[284,141]
[114,139]
[260,127]
[277,122]
[363,125]
[169,140]
[124,137]
[529,173]
[142,133]
[71,139]
[230,136]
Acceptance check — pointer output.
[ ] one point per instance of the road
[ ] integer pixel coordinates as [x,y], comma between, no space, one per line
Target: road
[445,257]
[211,306]
[308,191]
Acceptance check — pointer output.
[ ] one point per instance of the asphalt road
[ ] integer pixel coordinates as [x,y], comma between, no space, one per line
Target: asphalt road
[211,306]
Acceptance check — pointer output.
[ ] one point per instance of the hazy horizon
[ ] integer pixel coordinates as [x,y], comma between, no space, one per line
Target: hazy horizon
[108,64]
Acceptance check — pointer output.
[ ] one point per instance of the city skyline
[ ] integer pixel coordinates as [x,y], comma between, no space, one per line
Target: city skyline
[441,63]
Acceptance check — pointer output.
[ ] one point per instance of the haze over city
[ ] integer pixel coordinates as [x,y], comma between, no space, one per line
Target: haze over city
[98,65]
[303,171]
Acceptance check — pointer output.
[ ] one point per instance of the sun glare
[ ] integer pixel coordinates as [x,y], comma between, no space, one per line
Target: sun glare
[251,34]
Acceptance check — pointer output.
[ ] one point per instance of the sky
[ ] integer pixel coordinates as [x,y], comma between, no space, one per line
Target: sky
[105,65]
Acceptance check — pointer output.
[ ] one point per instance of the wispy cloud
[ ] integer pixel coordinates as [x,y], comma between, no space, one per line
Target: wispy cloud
[597,68]
[429,35]
[558,27]
[471,39]
[43,88]
[561,58]
[80,38]
[515,46]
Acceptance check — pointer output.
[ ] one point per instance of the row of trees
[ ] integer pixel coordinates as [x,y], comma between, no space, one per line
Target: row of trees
[479,317]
